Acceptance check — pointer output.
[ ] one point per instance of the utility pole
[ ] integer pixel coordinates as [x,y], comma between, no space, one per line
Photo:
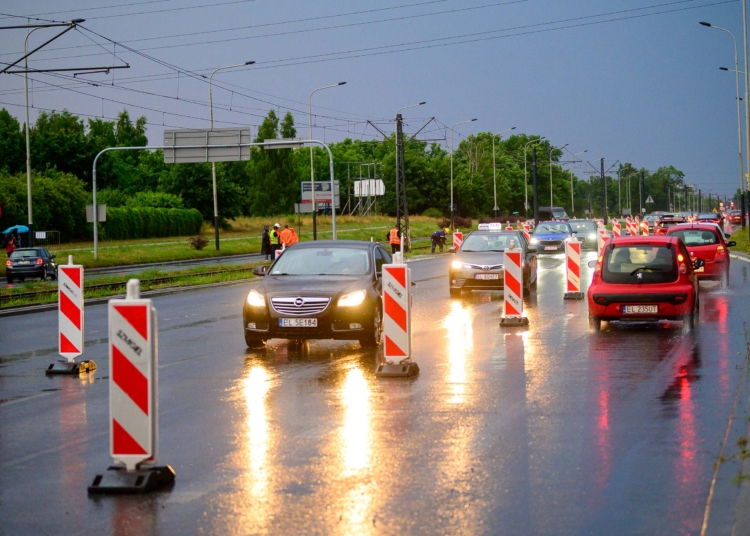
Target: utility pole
[402,208]
[643,191]
[604,192]
[536,189]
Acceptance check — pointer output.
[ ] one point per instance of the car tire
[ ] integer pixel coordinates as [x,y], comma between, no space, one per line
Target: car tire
[253,342]
[54,275]
[536,280]
[595,323]
[375,334]
[44,274]
[691,320]
[455,292]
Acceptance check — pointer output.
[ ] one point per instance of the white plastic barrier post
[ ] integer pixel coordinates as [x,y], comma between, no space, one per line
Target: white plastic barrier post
[133,398]
[278,252]
[615,228]
[644,228]
[513,288]
[396,282]
[602,235]
[70,321]
[573,270]
[458,239]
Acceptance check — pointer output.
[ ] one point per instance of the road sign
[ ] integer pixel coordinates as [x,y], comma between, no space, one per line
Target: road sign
[187,146]
[366,188]
[458,239]
[650,199]
[322,192]
[101,211]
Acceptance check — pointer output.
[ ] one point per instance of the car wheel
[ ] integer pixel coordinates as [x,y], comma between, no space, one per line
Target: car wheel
[253,342]
[455,292]
[595,323]
[374,337]
[691,320]
[536,280]
[44,274]
[54,275]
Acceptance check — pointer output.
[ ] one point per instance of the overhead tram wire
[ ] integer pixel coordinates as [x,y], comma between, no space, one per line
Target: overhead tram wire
[8,16]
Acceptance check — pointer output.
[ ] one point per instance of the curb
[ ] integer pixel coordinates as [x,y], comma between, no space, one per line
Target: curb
[31,309]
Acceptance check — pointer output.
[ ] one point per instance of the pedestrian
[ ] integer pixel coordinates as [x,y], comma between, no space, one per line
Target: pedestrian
[10,241]
[294,239]
[275,240]
[265,243]
[286,236]
[438,239]
[394,237]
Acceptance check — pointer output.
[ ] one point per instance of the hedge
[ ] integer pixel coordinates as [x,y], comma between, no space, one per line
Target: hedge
[146,222]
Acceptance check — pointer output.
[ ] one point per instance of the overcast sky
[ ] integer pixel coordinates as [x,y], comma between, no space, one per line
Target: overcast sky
[630,80]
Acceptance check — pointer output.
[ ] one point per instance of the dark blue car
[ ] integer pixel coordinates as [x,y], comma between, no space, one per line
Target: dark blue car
[550,236]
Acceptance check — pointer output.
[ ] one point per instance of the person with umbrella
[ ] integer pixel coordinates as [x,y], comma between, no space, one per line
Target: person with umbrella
[10,241]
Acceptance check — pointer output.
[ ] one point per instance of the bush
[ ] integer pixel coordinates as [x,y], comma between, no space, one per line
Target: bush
[198,242]
[146,222]
[155,200]
[458,221]
[503,219]
[432,213]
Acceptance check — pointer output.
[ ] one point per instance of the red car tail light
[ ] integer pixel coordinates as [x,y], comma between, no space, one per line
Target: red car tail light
[39,261]
[7,263]
[680,258]
[599,264]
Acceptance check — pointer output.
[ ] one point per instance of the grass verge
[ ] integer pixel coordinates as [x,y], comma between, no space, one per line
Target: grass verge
[741,237]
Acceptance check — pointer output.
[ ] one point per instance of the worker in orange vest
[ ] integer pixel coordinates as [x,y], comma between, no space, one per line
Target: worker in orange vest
[286,236]
[294,238]
[394,237]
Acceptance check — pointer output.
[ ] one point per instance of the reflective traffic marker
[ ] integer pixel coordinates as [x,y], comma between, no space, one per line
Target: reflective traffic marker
[133,398]
[396,282]
[615,228]
[644,228]
[70,321]
[527,232]
[508,226]
[573,271]
[458,239]
[602,235]
[513,289]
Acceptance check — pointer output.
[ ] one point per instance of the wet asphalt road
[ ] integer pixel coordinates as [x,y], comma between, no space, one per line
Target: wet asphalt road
[550,430]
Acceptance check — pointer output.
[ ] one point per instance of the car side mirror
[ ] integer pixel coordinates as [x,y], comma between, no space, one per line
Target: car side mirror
[260,270]
[727,235]
[592,264]
[731,244]
[698,263]
[52,256]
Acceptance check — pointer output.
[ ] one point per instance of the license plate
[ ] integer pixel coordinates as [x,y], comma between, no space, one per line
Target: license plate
[298,322]
[550,248]
[699,270]
[639,309]
[486,276]
[24,262]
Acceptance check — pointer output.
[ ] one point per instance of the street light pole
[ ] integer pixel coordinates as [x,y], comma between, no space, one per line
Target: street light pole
[526,179]
[551,203]
[747,110]
[739,120]
[494,170]
[454,126]
[312,167]
[572,202]
[28,143]
[400,178]
[213,164]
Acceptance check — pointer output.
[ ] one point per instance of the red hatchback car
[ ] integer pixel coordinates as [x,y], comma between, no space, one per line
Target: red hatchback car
[644,278]
[706,242]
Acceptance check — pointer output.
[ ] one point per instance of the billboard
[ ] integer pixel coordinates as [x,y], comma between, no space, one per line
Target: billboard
[323,192]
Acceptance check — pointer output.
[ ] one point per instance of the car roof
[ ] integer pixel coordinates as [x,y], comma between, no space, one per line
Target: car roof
[356,244]
[654,240]
[699,226]
[27,249]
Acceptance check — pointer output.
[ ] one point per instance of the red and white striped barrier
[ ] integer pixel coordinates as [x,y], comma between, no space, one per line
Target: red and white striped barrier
[70,320]
[644,228]
[615,228]
[573,270]
[458,239]
[508,226]
[527,232]
[396,283]
[602,235]
[133,396]
[513,289]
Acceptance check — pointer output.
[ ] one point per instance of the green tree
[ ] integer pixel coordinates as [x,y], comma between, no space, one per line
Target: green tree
[12,143]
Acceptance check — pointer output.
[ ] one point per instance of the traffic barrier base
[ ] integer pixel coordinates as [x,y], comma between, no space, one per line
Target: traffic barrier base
[514,321]
[117,480]
[67,367]
[573,296]
[397,370]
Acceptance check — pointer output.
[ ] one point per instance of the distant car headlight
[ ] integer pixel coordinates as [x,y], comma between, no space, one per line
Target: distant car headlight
[592,236]
[255,299]
[534,241]
[352,299]
[457,265]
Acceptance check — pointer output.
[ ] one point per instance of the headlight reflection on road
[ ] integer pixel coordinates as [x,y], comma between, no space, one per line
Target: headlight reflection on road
[356,430]
[255,387]
[460,333]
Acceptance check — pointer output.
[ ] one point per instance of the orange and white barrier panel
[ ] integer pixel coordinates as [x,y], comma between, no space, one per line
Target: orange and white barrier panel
[527,232]
[644,228]
[133,396]
[396,283]
[513,288]
[602,235]
[615,228]
[573,270]
[458,239]
[70,321]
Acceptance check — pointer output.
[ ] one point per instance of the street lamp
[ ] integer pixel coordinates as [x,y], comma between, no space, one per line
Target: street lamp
[312,167]
[213,164]
[572,202]
[399,141]
[551,150]
[28,144]
[454,126]
[737,84]
[526,179]
[494,168]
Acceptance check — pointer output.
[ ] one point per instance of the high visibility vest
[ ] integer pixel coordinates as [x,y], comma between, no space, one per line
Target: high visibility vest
[286,237]
[274,237]
[394,237]
[294,238]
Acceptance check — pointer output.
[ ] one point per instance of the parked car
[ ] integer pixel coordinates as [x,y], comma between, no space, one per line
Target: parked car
[478,264]
[30,263]
[325,289]
[644,278]
[705,241]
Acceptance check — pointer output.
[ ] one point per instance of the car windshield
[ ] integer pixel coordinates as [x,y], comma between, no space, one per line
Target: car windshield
[25,253]
[322,261]
[641,264]
[488,242]
[583,225]
[552,228]
[697,237]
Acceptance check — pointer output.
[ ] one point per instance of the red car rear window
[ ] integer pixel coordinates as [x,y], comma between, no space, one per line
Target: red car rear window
[697,237]
[641,264]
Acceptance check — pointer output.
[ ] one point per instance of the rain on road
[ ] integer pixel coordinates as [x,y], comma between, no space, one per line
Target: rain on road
[552,429]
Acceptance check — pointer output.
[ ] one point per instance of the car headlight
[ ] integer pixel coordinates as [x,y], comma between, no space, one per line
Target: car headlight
[255,299]
[592,236]
[352,299]
[534,241]
[457,265]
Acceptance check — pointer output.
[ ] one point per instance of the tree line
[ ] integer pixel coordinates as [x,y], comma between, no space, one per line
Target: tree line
[63,148]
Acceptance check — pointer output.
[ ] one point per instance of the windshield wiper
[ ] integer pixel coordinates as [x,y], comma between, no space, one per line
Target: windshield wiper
[646,268]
